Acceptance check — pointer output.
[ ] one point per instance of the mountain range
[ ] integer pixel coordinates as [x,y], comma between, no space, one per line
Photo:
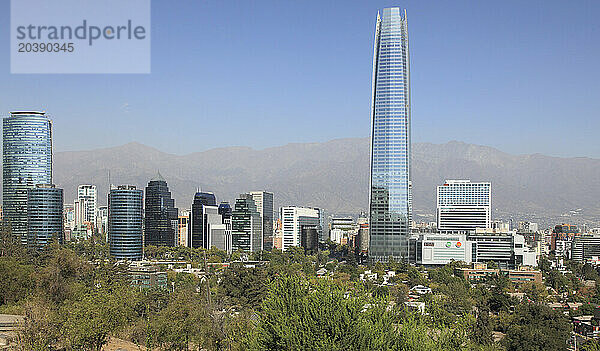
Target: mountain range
[334,175]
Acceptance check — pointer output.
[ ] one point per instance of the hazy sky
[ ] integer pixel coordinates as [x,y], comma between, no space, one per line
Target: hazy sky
[522,76]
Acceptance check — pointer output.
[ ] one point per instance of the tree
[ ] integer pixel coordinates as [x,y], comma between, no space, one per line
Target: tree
[244,287]
[301,314]
[17,280]
[62,270]
[535,291]
[536,327]
[481,332]
[179,324]
[591,345]
[297,315]
[88,322]
[40,330]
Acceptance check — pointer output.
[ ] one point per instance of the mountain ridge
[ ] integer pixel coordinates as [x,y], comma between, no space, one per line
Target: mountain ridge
[334,175]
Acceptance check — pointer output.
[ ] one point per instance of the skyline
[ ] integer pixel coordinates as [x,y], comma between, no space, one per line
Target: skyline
[326,85]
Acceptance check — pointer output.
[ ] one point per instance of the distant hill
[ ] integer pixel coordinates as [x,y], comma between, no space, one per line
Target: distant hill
[335,175]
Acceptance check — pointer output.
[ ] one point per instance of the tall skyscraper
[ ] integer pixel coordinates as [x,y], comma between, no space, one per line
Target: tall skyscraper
[246,226]
[226,211]
[27,161]
[160,221]
[293,219]
[390,189]
[125,213]
[183,222]
[463,206]
[264,206]
[199,234]
[87,200]
[102,221]
[44,215]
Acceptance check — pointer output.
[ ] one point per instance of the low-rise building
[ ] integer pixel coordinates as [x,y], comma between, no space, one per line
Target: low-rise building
[421,289]
[480,271]
[143,275]
[477,272]
[507,249]
[524,275]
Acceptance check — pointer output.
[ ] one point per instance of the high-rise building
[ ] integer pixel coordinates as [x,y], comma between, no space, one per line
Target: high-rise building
[309,238]
[586,248]
[264,206]
[27,161]
[463,206]
[68,220]
[293,219]
[390,188]
[226,212]
[125,222]
[183,222]
[199,235]
[246,225]
[216,229]
[79,212]
[44,215]
[69,216]
[102,221]
[363,237]
[160,220]
[87,198]
[342,229]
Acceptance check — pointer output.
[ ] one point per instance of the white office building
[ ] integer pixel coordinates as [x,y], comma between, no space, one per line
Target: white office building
[433,249]
[507,249]
[463,206]
[218,235]
[86,204]
[342,228]
[293,219]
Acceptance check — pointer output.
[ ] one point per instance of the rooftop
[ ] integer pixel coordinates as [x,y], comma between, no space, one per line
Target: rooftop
[17,113]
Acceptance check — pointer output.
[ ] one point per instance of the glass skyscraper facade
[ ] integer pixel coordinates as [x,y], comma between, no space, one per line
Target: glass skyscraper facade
[390,189]
[160,222]
[246,225]
[125,221]
[27,161]
[44,215]
[199,235]
[264,206]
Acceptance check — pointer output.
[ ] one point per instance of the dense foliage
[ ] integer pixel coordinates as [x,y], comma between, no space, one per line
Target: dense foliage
[75,297]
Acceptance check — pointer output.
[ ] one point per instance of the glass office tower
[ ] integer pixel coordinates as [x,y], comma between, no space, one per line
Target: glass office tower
[264,206]
[27,161]
[44,215]
[160,222]
[246,225]
[390,198]
[125,222]
[198,235]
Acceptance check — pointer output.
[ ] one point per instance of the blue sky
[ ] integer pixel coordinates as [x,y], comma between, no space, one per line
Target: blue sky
[521,76]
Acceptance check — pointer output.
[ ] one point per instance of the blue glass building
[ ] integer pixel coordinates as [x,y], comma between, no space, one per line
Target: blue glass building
[44,215]
[125,217]
[27,161]
[390,198]
[160,222]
